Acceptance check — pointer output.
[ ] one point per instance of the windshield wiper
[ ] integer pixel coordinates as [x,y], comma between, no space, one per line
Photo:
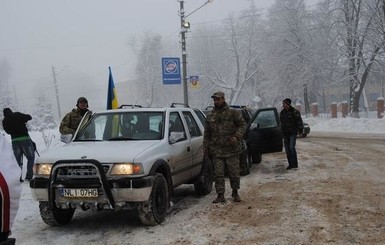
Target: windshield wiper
[77,140]
[120,138]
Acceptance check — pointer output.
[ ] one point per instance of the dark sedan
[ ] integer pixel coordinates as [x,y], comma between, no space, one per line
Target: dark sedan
[306,130]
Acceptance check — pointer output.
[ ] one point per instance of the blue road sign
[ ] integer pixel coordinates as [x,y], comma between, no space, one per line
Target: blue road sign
[171,71]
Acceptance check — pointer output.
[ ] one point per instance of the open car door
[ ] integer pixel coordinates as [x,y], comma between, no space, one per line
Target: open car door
[264,133]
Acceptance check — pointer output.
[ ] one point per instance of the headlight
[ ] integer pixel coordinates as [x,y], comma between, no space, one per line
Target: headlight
[42,169]
[127,169]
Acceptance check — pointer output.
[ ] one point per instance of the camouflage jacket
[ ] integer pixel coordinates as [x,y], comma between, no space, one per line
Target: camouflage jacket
[70,122]
[291,121]
[222,124]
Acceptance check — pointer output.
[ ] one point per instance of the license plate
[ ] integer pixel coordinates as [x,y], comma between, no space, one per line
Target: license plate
[86,192]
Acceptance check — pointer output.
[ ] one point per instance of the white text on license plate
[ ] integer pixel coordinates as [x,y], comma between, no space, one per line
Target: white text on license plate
[79,192]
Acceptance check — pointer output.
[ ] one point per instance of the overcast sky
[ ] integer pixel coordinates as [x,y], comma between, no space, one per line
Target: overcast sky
[82,38]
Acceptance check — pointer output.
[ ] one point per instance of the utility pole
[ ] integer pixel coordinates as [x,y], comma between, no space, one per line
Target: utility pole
[185,25]
[306,100]
[56,91]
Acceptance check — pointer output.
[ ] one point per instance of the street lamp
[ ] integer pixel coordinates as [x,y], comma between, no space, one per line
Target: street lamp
[185,25]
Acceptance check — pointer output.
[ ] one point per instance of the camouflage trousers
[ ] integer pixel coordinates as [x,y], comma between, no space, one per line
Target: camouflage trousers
[229,165]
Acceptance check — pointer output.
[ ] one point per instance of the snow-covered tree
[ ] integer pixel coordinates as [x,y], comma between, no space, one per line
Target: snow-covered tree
[43,115]
[289,51]
[229,57]
[361,25]
[7,98]
[150,89]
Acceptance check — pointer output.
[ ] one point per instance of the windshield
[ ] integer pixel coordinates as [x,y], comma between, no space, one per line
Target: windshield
[123,126]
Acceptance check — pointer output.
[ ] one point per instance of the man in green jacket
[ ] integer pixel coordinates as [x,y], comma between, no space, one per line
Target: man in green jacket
[222,142]
[15,124]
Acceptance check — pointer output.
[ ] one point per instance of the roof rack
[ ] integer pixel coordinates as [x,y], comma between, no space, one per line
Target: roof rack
[179,105]
[129,106]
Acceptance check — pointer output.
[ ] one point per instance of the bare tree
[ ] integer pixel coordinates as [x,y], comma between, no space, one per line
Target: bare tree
[150,91]
[7,95]
[229,56]
[361,25]
[289,49]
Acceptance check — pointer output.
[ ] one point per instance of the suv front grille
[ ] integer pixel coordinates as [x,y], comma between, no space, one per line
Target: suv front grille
[80,171]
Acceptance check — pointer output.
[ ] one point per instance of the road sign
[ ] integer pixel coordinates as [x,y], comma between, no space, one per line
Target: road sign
[171,71]
[194,81]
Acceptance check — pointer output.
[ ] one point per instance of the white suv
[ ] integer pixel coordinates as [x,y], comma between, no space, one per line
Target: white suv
[123,159]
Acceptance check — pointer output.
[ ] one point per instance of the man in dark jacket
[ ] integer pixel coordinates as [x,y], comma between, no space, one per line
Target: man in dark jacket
[14,123]
[222,141]
[291,126]
[71,121]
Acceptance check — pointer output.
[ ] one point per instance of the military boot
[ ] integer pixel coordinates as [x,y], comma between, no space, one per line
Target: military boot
[220,198]
[235,196]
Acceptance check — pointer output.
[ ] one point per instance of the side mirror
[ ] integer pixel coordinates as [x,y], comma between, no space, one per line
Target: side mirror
[176,137]
[66,138]
[254,126]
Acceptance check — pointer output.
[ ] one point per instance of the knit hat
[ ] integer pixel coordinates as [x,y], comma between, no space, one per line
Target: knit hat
[81,99]
[7,111]
[287,101]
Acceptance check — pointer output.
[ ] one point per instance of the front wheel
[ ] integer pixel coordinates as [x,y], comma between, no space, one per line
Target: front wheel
[153,211]
[244,163]
[55,216]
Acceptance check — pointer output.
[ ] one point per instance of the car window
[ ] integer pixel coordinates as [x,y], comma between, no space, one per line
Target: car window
[201,116]
[147,125]
[265,119]
[176,124]
[192,125]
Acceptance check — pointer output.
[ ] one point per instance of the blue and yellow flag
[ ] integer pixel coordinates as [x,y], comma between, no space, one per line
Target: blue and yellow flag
[112,99]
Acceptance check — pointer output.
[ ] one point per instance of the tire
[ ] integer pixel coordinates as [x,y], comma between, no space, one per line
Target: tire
[244,163]
[204,184]
[153,211]
[257,158]
[55,216]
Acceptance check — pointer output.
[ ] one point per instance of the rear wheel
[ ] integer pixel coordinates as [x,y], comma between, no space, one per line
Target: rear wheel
[256,157]
[204,183]
[153,211]
[55,216]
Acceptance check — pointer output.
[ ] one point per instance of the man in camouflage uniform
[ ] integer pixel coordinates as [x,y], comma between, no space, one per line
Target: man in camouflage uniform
[222,142]
[292,125]
[71,121]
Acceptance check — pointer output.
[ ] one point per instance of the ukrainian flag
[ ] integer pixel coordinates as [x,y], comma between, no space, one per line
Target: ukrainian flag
[112,99]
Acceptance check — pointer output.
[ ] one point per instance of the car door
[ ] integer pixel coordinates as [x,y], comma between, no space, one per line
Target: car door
[180,151]
[264,132]
[196,136]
